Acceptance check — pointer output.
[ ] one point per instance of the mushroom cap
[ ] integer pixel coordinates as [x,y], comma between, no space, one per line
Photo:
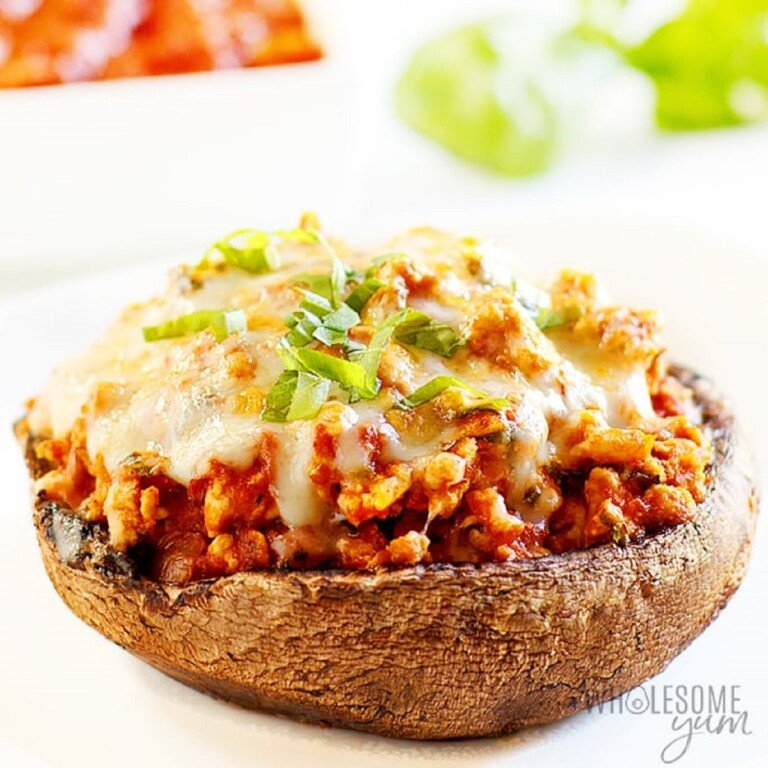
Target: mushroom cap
[437,651]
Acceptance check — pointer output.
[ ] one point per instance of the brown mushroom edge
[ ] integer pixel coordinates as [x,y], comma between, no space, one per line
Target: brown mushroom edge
[429,652]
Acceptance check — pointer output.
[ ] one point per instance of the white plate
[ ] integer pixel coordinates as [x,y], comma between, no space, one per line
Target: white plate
[69,698]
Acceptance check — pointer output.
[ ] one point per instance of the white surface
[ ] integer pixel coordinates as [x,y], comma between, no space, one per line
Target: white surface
[69,698]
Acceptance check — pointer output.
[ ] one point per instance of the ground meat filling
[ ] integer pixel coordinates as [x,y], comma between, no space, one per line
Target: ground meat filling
[492,484]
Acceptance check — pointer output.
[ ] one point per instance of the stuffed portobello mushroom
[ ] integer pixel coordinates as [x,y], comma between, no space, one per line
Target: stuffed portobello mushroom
[407,492]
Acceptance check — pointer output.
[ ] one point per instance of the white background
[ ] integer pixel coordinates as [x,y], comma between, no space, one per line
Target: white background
[98,175]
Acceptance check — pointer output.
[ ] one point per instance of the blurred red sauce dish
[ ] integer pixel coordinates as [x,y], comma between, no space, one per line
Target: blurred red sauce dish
[44,42]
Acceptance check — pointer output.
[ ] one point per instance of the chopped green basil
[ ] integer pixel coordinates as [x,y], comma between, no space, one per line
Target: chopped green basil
[550,317]
[440,384]
[317,319]
[297,395]
[315,303]
[323,316]
[332,286]
[420,330]
[410,327]
[329,286]
[221,322]
[368,358]
[362,293]
[319,284]
[349,375]
[255,250]
[334,326]
[338,281]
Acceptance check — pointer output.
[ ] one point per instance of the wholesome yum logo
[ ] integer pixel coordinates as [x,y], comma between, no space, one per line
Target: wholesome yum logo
[694,709]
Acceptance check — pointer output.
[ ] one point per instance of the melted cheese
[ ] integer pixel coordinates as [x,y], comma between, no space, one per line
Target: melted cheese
[179,398]
[295,495]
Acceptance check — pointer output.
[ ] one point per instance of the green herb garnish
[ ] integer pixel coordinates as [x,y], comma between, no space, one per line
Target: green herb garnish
[347,374]
[334,326]
[440,384]
[420,330]
[551,317]
[368,359]
[317,319]
[324,316]
[220,322]
[362,293]
[410,327]
[330,287]
[296,396]
[255,250]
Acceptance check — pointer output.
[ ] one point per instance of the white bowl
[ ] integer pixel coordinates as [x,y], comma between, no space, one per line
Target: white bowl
[169,160]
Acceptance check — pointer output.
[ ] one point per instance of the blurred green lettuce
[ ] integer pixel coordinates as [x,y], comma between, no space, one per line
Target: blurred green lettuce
[709,66]
[449,92]
[503,93]
[493,92]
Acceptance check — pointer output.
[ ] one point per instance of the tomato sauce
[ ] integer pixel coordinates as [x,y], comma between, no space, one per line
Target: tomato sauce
[43,42]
